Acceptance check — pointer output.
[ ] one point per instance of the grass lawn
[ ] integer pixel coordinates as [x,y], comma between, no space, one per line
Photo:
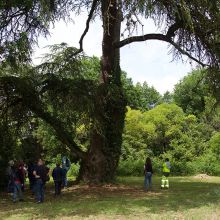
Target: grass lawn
[187,198]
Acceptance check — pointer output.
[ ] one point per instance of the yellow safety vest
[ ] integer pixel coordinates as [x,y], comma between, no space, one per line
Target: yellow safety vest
[165,168]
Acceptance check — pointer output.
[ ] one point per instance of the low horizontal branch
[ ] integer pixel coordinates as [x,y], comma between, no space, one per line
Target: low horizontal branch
[155,36]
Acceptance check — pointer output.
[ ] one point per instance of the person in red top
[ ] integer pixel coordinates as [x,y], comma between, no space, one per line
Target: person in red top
[18,178]
[22,171]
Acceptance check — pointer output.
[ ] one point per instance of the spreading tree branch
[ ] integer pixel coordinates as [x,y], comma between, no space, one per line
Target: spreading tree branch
[160,37]
[173,28]
[92,10]
[27,95]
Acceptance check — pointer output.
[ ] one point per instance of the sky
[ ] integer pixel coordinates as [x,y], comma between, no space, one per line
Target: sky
[148,61]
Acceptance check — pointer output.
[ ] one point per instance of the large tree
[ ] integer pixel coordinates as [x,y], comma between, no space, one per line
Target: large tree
[191,28]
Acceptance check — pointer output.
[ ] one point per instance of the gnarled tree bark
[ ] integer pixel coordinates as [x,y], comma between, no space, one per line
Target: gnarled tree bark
[106,135]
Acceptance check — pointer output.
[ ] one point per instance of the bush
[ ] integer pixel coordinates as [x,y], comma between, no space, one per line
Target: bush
[207,164]
[74,170]
[131,167]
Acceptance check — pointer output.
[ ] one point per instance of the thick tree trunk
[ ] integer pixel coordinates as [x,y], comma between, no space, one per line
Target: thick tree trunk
[106,136]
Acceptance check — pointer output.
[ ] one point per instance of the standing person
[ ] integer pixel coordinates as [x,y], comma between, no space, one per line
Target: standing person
[10,176]
[23,173]
[148,172]
[31,176]
[66,166]
[40,173]
[166,172]
[57,175]
[18,176]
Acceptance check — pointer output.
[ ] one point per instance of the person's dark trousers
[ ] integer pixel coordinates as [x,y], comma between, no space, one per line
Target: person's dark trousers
[64,181]
[57,185]
[39,190]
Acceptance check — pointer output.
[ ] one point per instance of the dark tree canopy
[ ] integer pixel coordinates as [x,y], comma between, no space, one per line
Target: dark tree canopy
[191,27]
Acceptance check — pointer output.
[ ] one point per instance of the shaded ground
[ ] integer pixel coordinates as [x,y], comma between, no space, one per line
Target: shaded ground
[188,198]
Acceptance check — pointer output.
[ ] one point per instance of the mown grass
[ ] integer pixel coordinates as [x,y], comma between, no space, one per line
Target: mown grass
[188,198]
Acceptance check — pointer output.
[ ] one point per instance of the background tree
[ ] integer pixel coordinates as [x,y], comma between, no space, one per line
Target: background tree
[191,91]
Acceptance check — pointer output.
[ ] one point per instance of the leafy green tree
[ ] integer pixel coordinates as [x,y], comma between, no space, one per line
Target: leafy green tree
[146,97]
[196,95]
[215,144]
[166,131]
[190,92]
[152,130]
[167,97]
[7,143]
[183,25]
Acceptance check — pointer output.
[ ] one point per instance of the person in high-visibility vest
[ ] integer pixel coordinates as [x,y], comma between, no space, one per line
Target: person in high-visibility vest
[166,172]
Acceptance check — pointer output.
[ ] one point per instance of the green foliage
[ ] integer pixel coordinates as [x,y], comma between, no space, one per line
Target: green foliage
[207,163]
[166,131]
[130,167]
[134,166]
[140,96]
[21,22]
[74,170]
[7,143]
[215,144]
[191,91]
[159,131]
[148,134]
[167,97]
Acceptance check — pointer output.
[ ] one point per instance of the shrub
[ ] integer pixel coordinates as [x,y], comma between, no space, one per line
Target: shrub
[131,167]
[74,170]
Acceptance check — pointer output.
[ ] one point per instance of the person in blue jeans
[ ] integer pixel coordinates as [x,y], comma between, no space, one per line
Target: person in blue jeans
[18,179]
[40,172]
[148,172]
[66,164]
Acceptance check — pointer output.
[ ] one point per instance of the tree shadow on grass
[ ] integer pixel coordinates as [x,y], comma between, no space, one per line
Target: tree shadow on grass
[122,199]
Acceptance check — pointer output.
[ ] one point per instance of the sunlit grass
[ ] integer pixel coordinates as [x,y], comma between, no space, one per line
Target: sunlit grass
[188,198]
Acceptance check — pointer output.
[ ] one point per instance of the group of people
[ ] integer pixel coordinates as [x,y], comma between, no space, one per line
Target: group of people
[148,172]
[38,175]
